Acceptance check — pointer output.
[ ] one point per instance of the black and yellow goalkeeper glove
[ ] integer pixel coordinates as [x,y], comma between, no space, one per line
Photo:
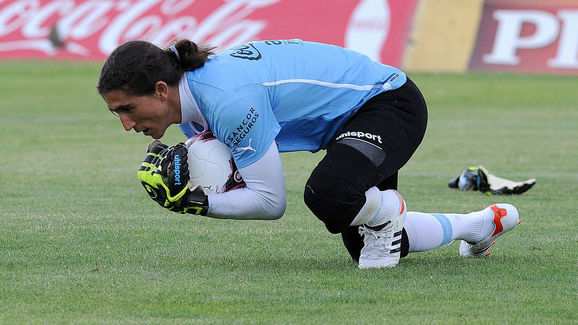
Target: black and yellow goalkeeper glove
[164,174]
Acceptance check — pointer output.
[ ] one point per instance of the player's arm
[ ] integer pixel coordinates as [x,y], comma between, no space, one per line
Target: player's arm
[263,198]
[249,130]
[246,123]
[164,175]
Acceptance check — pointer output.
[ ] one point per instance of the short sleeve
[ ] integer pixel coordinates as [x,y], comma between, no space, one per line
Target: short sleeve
[244,120]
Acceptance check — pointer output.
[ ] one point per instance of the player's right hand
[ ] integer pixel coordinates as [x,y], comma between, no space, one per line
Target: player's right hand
[197,202]
[164,174]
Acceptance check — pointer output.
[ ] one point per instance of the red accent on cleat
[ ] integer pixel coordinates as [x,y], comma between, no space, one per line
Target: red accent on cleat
[498,215]
[402,203]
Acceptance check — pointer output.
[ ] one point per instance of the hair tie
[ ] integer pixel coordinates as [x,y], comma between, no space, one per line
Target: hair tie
[174,49]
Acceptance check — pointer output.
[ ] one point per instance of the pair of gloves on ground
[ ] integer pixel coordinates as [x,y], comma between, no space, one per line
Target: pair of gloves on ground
[479,179]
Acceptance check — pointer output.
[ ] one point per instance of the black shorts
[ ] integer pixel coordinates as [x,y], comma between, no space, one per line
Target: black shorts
[369,151]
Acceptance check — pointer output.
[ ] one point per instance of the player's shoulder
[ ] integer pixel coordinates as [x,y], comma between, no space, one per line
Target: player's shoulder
[253,51]
[261,53]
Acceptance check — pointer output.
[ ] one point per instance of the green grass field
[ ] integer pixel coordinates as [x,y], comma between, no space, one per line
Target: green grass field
[81,242]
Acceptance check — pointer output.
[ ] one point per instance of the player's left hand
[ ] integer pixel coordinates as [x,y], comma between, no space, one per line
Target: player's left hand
[164,174]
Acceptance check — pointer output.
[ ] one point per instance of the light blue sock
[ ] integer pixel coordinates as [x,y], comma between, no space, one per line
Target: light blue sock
[427,231]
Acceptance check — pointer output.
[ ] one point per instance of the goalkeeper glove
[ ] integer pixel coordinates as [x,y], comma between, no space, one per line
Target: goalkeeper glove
[479,179]
[164,174]
[489,183]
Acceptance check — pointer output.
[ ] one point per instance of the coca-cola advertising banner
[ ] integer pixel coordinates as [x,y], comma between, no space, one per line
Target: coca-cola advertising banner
[68,29]
[539,36]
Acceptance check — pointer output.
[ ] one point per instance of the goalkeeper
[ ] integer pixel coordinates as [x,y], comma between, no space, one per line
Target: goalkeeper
[262,98]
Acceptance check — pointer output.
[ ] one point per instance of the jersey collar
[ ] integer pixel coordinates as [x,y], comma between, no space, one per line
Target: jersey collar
[190,111]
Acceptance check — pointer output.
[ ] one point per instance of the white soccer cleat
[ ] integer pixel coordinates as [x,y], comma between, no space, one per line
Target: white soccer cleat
[382,248]
[505,218]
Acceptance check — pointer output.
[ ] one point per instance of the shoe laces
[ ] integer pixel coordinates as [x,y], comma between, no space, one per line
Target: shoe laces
[380,238]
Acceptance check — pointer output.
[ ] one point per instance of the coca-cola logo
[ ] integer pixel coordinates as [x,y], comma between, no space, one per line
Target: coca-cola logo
[91,29]
[77,26]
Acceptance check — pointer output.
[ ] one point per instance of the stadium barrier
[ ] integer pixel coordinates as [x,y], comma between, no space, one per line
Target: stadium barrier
[538,36]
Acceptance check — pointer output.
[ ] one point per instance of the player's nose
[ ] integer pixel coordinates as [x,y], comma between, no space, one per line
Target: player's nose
[127,122]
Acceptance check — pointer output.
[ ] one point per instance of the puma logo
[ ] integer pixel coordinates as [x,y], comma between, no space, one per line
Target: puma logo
[249,147]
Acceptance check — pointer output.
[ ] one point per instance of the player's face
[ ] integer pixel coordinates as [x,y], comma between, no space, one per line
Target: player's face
[147,114]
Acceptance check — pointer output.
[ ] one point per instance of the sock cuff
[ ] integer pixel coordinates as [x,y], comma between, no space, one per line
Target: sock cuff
[391,204]
[370,209]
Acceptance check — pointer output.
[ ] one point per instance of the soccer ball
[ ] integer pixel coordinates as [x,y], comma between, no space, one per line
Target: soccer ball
[211,164]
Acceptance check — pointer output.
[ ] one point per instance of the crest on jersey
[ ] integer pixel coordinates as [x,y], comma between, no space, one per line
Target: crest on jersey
[246,51]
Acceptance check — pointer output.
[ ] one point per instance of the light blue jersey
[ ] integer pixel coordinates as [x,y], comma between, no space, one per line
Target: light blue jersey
[297,93]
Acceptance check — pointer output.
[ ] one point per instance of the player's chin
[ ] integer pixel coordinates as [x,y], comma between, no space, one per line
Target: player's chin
[155,134]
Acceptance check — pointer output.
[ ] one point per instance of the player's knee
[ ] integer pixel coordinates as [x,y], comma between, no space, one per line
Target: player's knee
[333,202]
[335,191]
[312,199]
[320,204]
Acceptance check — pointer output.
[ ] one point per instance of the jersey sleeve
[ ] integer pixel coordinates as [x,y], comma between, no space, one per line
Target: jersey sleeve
[244,120]
[262,199]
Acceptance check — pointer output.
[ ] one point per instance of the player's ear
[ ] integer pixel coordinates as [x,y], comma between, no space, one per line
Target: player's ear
[161,90]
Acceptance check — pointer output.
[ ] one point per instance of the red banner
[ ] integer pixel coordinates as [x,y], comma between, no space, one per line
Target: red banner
[539,36]
[91,29]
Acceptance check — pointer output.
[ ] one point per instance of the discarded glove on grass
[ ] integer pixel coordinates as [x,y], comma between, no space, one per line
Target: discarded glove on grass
[479,179]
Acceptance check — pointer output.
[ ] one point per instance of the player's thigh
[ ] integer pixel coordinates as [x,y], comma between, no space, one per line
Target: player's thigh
[370,149]
[394,122]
